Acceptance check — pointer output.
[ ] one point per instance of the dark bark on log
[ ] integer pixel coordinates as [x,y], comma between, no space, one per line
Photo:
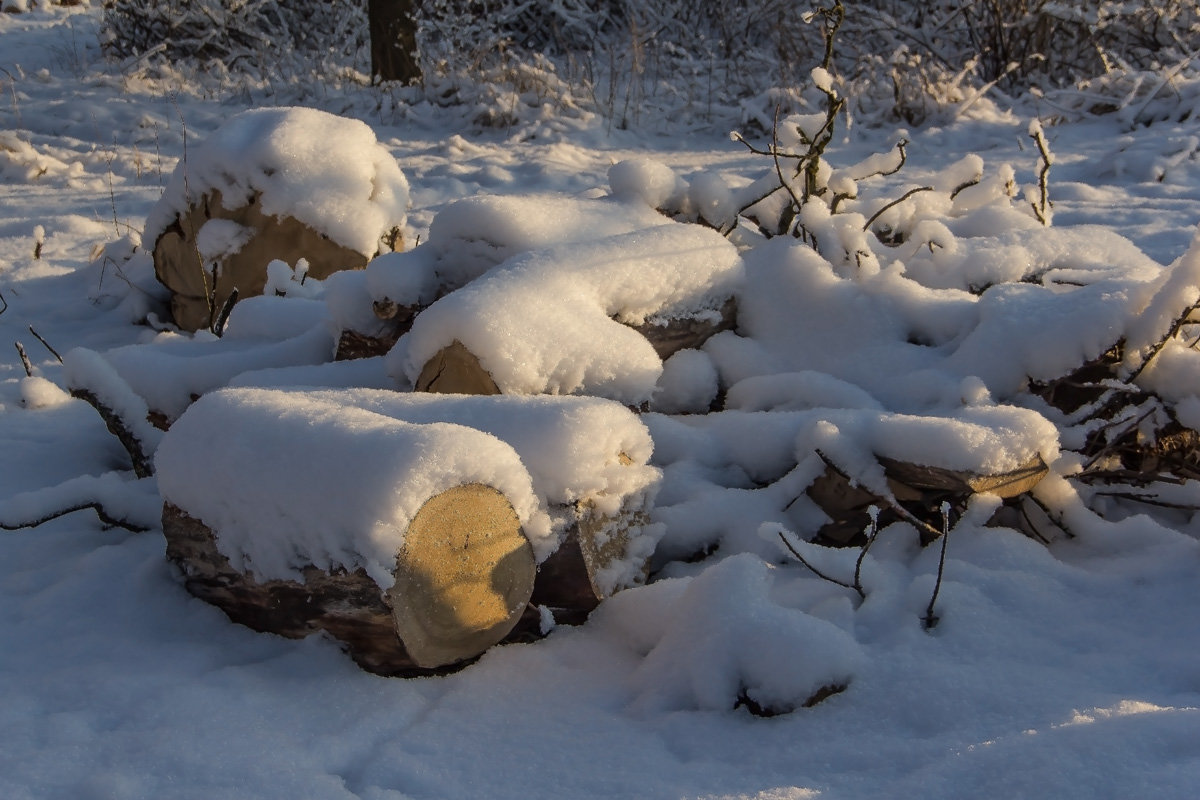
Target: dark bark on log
[463,579]
[674,335]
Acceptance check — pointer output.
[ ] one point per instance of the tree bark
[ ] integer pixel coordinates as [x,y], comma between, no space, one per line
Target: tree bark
[462,581]
[393,27]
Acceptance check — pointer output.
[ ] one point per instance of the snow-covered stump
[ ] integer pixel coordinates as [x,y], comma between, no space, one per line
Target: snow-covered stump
[282,183]
[587,458]
[414,545]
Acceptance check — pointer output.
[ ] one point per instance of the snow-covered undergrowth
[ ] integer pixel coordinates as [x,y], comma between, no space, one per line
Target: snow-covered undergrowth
[1065,670]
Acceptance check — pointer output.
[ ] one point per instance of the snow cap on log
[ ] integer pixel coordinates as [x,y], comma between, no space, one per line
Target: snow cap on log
[284,183]
[555,321]
[470,236]
[575,448]
[288,481]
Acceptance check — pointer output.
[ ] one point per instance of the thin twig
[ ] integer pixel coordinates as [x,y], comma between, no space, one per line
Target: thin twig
[1150,500]
[894,203]
[219,326]
[45,344]
[1176,327]
[816,571]
[1040,208]
[930,621]
[871,534]
[105,517]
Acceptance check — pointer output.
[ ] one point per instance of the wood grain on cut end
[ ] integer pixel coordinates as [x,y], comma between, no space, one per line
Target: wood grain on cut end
[463,576]
[455,370]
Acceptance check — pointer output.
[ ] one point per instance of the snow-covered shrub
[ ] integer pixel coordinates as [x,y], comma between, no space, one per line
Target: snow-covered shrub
[242,35]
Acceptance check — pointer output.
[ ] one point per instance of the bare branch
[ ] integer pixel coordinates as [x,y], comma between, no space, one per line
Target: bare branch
[894,203]
[104,516]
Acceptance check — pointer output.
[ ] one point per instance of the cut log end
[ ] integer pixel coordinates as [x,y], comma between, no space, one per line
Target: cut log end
[463,576]
[455,370]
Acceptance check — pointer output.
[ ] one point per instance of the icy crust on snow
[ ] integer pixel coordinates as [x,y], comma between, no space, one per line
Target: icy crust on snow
[327,171]
[549,321]
[470,236]
[575,448]
[248,463]
[911,346]
[263,332]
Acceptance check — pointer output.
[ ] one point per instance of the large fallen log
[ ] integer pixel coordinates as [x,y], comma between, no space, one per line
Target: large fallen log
[416,551]
[587,459]
[462,580]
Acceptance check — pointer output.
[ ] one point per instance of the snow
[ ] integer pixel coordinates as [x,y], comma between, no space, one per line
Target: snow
[550,321]
[327,171]
[1062,670]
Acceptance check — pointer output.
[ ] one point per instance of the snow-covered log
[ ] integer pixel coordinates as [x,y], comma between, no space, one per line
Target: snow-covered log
[272,184]
[594,318]
[587,459]
[414,545]
[471,237]
[409,526]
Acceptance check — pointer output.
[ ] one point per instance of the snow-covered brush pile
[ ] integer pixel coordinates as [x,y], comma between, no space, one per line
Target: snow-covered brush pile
[833,369]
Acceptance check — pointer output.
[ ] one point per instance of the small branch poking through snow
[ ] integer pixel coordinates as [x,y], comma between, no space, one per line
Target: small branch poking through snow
[218,327]
[45,344]
[1042,206]
[783,538]
[1183,319]
[930,620]
[24,358]
[132,505]
[105,517]
[894,203]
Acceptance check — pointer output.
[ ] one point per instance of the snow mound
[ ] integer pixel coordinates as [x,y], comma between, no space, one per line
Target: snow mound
[329,172]
[720,639]
[263,332]
[246,462]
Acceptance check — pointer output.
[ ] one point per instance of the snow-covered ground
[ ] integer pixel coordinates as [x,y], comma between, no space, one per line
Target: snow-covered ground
[1067,671]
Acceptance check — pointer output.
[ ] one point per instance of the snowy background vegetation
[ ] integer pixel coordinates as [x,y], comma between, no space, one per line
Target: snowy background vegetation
[1064,659]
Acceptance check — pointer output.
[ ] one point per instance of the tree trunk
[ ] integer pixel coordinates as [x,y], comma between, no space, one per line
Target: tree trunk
[393,29]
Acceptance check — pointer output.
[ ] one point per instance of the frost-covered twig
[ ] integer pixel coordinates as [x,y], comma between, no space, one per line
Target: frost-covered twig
[117,501]
[24,358]
[1042,206]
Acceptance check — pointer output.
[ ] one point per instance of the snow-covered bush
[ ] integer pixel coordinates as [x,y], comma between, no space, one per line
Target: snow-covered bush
[243,35]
